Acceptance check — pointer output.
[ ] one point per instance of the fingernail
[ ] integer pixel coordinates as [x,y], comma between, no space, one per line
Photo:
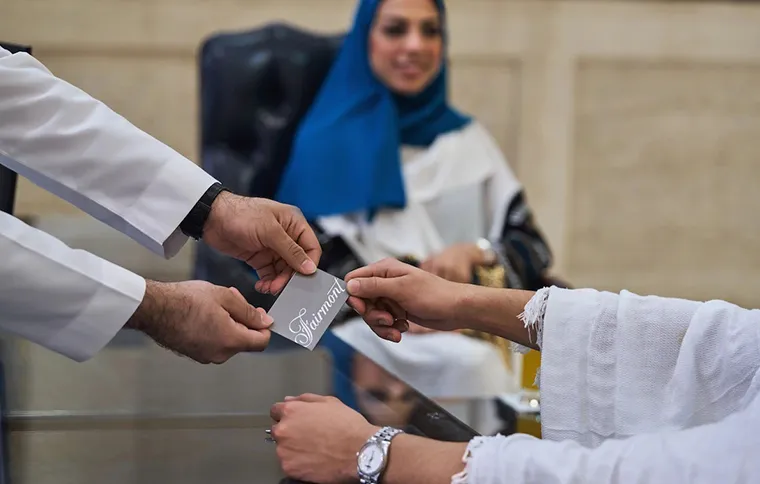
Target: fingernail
[309,266]
[265,318]
[287,399]
[352,286]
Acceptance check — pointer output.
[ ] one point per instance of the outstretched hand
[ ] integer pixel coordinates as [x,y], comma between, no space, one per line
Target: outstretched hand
[389,294]
[274,239]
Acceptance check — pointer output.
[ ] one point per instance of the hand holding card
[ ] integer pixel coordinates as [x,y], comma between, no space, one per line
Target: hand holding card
[307,306]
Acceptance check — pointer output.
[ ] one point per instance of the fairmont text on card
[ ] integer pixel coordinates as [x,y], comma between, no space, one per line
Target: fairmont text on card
[307,306]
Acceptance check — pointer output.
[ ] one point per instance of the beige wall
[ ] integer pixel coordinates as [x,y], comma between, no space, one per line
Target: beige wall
[634,126]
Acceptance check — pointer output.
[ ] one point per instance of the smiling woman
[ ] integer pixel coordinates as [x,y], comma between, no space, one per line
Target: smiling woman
[406,44]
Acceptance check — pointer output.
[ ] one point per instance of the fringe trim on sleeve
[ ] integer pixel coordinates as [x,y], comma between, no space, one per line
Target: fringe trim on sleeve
[475,444]
[533,319]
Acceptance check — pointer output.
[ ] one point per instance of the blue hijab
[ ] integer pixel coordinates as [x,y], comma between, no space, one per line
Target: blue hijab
[345,156]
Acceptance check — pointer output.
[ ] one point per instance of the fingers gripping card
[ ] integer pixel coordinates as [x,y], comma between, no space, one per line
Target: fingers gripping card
[307,306]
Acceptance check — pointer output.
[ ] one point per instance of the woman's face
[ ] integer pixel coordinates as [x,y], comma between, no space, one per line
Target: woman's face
[406,44]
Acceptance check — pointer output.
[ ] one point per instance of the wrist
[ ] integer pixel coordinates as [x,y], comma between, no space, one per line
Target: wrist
[351,469]
[466,303]
[497,312]
[219,207]
[151,305]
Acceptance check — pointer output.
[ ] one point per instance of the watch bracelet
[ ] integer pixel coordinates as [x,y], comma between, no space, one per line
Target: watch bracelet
[385,434]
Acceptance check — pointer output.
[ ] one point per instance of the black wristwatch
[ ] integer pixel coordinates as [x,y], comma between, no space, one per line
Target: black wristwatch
[193,224]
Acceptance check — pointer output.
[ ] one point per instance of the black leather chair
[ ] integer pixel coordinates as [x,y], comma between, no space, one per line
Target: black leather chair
[255,87]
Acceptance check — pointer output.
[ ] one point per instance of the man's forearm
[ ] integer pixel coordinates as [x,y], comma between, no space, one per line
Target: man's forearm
[151,315]
[415,459]
[496,311]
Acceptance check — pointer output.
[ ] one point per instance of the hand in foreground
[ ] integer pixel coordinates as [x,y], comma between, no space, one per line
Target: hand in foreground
[273,238]
[456,263]
[207,323]
[318,438]
[390,293]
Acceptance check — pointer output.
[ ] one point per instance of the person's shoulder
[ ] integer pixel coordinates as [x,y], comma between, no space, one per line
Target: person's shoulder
[475,134]
[479,130]
[472,130]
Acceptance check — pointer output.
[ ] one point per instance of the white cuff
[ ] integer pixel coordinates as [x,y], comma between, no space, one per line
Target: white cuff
[464,476]
[165,203]
[533,319]
[118,297]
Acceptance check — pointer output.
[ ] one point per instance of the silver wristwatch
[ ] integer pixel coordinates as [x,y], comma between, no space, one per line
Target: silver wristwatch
[489,254]
[372,459]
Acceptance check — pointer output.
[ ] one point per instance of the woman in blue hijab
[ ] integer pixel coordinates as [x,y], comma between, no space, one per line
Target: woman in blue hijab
[346,154]
[384,166]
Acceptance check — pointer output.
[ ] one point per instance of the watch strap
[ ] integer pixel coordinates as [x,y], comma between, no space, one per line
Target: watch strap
[195,221]
[385,434]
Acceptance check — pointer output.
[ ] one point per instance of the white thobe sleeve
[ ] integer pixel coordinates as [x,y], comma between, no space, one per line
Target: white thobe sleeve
[637,389]
[66,300]
[724,451]
[74,146]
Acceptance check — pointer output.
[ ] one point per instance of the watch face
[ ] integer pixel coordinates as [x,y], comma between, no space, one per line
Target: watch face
[371,459]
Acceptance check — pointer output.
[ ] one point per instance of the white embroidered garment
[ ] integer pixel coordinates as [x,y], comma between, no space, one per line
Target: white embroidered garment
[458,190]
[637,389]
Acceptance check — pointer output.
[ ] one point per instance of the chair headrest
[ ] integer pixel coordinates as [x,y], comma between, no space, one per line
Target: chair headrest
[256,86]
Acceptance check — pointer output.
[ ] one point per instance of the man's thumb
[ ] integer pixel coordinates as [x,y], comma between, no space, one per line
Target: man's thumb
[292,253]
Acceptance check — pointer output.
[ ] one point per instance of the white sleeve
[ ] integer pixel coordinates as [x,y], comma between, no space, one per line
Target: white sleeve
[619,365]
[635,389]
[74,146]
[66,300]
[724,451]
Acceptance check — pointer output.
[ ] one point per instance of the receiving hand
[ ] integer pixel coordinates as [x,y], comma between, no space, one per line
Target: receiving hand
[273,238]
[390,293]
[456,263]
[207,323]
[318,438]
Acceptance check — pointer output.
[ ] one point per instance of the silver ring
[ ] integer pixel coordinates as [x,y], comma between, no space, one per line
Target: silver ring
[269,439]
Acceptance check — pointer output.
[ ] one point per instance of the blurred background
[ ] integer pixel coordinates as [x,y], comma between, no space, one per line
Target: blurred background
[634,127]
